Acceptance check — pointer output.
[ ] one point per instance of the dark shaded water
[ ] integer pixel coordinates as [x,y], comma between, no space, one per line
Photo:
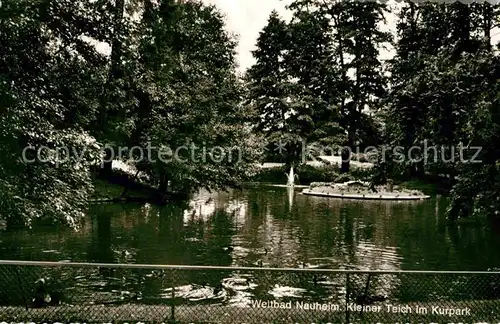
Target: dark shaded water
[241,228]
[271,226]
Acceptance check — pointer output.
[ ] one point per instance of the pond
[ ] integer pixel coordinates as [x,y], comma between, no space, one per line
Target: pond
[261,226]
[239,228]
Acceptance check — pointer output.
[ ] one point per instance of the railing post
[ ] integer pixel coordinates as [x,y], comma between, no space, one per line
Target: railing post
[347,292]
[172,307]
[21,286]
[365,294]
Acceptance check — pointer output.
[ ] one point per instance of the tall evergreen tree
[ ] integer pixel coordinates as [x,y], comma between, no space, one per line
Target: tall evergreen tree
[355,38]
[270,88]
[309,63]
[363,38]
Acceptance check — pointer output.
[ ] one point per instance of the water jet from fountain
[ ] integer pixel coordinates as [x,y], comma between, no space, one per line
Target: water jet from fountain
[291,178]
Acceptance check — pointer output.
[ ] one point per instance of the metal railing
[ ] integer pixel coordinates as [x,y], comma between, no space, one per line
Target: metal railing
[93,292]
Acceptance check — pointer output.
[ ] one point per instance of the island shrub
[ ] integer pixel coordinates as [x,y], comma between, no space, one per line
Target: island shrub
[363,174]
[308,174]
[345,177]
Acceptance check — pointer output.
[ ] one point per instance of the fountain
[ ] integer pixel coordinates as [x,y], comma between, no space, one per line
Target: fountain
[291,178]
[290,183]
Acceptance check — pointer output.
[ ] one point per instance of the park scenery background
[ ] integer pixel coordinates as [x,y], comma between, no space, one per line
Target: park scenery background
[160,153]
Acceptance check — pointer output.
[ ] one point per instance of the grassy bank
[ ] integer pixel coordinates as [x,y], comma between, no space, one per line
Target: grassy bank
[105,189]
[481,311]
[122,186]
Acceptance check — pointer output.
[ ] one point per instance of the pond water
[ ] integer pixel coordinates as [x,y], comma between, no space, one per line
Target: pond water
[269,226]
[279,227]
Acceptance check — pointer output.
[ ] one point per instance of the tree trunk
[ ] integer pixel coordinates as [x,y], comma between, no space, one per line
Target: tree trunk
[462,29]
[345,164]
[116,46]
[163,186]
[346,153]
[487,23]
[107,165]
[114,73]
[355,109]
[417,170]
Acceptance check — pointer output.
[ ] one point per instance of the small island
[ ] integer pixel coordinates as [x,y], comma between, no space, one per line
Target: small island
[362,190]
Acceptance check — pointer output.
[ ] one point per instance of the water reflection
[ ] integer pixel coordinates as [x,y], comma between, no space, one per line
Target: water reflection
[269,226]
[100,249]
[290,194]
[279,227]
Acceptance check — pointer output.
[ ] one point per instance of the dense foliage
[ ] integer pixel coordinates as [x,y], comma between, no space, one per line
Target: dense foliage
[93,75]
[444,93]
[160,76]
[429,109]
[300,87]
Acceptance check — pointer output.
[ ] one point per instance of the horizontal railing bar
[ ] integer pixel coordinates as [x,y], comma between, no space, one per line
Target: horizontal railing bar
[225,268]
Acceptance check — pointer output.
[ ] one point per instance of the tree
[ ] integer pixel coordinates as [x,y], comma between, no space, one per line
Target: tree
[38,108]
[353,41]
[429,100]
[444,92]
[309,73]
[169,80]
[269,86]
[476,191]
[308,62]
[190,97]
[358,26]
